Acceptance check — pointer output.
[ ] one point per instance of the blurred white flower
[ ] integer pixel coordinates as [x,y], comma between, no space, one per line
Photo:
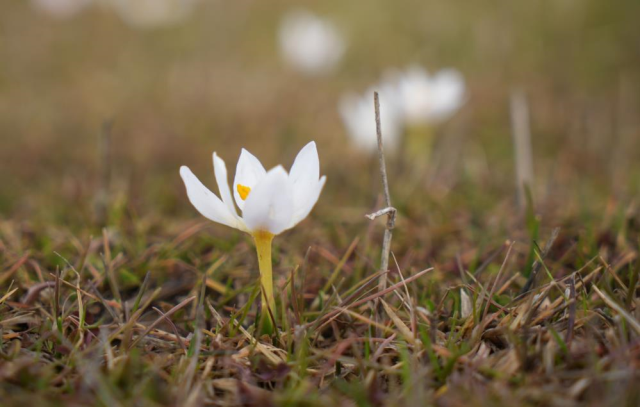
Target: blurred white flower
[148,14]
[310,44]
[429,99]
[407,98]
[270,201]
[358,115]
[61,9]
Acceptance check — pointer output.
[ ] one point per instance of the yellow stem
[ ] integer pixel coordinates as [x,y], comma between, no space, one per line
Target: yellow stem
[263,247]
[419,143]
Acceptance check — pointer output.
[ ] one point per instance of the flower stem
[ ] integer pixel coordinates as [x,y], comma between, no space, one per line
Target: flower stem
[263,247]
[419,144]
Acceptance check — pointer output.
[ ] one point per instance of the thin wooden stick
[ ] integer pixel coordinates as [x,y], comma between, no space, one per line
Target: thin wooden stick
[102,197]
[389,210]
[521,132]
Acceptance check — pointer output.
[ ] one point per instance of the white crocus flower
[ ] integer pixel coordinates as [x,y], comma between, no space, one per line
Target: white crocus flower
[61,9]
[429,99]
[310,44]
[147,14]
[270,202]
[358,116]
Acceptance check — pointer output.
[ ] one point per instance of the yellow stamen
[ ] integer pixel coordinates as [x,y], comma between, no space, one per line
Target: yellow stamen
[243,191]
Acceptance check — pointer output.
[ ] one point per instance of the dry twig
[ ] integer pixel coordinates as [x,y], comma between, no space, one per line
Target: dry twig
[390,211]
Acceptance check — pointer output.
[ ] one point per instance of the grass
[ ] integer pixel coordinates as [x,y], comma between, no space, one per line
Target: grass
[121,318]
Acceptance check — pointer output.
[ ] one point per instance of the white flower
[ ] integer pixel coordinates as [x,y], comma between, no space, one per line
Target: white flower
[310,44]
[407,98]
[270,201]
[147,14]
[61,9]
[429,99]
[359,118]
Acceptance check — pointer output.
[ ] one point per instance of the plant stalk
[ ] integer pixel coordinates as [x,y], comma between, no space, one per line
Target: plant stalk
[263,247]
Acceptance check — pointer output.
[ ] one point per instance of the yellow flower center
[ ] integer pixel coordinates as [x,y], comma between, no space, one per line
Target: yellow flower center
[243,191]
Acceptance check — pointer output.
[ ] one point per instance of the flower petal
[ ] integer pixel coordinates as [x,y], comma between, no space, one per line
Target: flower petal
[249,172]
[358,115]
[306,166]
[206,202]
[304,206]
[269,206]
[310,44]
[304,179]
[220,171]
[448,92]
[416,95]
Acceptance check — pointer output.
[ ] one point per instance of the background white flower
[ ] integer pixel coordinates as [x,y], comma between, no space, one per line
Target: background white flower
[358,115]
[270,201]
[428,99]
[407,98]
[146,14]
[310,44]
[61,9]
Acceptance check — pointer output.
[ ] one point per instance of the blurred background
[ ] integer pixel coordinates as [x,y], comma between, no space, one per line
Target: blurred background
[99,103]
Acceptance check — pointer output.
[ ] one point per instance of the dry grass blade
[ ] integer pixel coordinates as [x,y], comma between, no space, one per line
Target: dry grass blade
[35,290]
[111,278]
[402,327]
[108,304]
[191,391]
[633,283]
[8,295]
[159,320]
[572,311]
[466,308]
[318,324]
[9,273]
[262,348]
[341,264]
[173,327]
[368,321]
[493,289]
[611,303]
[537,265]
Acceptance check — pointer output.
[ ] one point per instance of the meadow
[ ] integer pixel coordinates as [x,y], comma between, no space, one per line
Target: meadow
[115,291]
